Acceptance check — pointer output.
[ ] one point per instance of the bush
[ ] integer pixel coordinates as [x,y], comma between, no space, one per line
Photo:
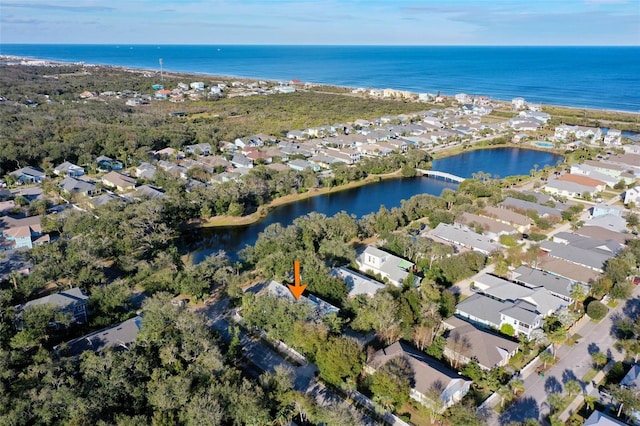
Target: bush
[597,310]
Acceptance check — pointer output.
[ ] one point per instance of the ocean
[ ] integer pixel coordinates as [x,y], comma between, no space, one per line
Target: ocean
[585,77]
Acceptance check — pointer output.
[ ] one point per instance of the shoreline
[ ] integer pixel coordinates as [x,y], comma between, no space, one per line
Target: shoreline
[129,68]
[264,210]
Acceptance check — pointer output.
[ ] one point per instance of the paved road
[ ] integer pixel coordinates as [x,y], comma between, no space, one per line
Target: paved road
[574,362]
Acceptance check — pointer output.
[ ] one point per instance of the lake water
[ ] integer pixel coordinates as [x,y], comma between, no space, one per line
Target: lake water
[367,199]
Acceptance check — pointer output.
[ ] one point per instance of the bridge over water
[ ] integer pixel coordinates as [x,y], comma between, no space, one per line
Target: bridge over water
[440,175]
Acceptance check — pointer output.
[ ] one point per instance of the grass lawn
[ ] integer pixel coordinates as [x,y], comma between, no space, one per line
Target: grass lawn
[573,339]
[612,303]
[415,415]
[590,375]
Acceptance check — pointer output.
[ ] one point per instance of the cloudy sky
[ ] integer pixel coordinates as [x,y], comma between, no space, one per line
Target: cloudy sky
[351,22]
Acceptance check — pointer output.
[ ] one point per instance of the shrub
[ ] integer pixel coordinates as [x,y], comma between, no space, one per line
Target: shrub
[507,329]
[596,310]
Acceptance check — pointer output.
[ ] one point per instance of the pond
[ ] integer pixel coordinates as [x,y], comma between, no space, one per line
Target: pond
[366,199]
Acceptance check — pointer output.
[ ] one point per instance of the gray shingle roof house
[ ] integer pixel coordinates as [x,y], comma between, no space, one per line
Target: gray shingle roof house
[564,268]
[358,284]
[72,185]
[587,243]
[118,336]
[556,285]
[465,237]
[598,418]
[522,205]
[608,221]
[428,374]
[321,307]
[466,341]
[600,233]
[72,301]
[491,228]
[594,259]
[68,169]
[389,266]
[198,149]
[28,175]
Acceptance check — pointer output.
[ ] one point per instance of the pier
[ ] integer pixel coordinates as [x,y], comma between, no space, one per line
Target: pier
[440,175]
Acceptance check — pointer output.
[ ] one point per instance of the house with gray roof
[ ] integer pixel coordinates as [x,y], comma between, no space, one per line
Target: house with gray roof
[588,243]
[605,234]
[427,374]
[568,189]
[563,268]
[68,169]
[146,171]
[554,284]
[320,307]
[240,161]
[357,283]
[593,259]
[301,165]
[102,200]
[373,260]
[608,221]
[73,302]
[28,175]
[116,337]
[148,191]
[198,149]
[523,206]
[119,181]
[72,185]
[465,237]
[466,341]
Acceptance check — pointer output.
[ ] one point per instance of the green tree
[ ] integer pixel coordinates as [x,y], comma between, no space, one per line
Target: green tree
[340,359]
[597,310]
[507,329]
[546,357]
[573,387]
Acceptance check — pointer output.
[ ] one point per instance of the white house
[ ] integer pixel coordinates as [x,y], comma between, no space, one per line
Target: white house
[373,260]
[631,195]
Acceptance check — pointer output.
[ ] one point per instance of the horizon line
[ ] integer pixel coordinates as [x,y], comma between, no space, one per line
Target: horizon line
[315,45]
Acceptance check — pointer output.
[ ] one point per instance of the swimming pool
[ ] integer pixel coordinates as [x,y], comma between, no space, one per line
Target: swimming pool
[544,144]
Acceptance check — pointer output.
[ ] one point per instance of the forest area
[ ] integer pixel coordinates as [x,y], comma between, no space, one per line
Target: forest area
[181,370]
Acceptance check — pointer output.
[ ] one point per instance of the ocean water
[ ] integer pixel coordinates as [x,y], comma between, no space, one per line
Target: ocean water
[588,77]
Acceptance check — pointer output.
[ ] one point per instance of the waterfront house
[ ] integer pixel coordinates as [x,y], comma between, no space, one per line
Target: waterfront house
[72,302]
[28,175]
[428,375]
[119,181]
[68,169]
[390,267]
[613,137]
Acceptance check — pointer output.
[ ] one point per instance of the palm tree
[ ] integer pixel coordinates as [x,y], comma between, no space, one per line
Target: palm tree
[546,357]
[573,387]
[504,393]
[578,294]
[599,358]
[516,386]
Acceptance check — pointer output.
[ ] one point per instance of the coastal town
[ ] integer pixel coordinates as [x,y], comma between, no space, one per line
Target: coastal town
[511,300]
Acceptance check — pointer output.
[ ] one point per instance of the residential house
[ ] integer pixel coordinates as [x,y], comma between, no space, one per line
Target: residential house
[301,165]
[73,302]
[629,162]
[119,181]
[466,341]
[608,221]
[23,232]
[146,171]
[198,149]
[240,161]
[569,189]
[594,259]
[465,237]
[602,209]
[613,137]
[490,228]
[521,222]
[115,337]
[72,185]
[524,206]
[463,98]
[598,418]
[102,200]
[28,175]
[596,184]
[604,234]
[391,267]
[106,164]
[632,195]
[592,172]
[428,375]
[564,268]
[535,278]
[357,283]
[320,307]
[591,134]
[518,103]
[147,191]
[68,169]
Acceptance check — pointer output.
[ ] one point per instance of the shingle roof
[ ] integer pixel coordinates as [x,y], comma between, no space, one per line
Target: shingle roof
[120,335]
[537,278]
[488,348]
[64,299]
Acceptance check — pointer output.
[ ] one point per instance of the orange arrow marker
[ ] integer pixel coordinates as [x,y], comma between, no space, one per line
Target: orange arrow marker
[296,289]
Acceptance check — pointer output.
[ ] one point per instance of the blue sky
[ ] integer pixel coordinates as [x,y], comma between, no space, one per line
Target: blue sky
[394,22]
